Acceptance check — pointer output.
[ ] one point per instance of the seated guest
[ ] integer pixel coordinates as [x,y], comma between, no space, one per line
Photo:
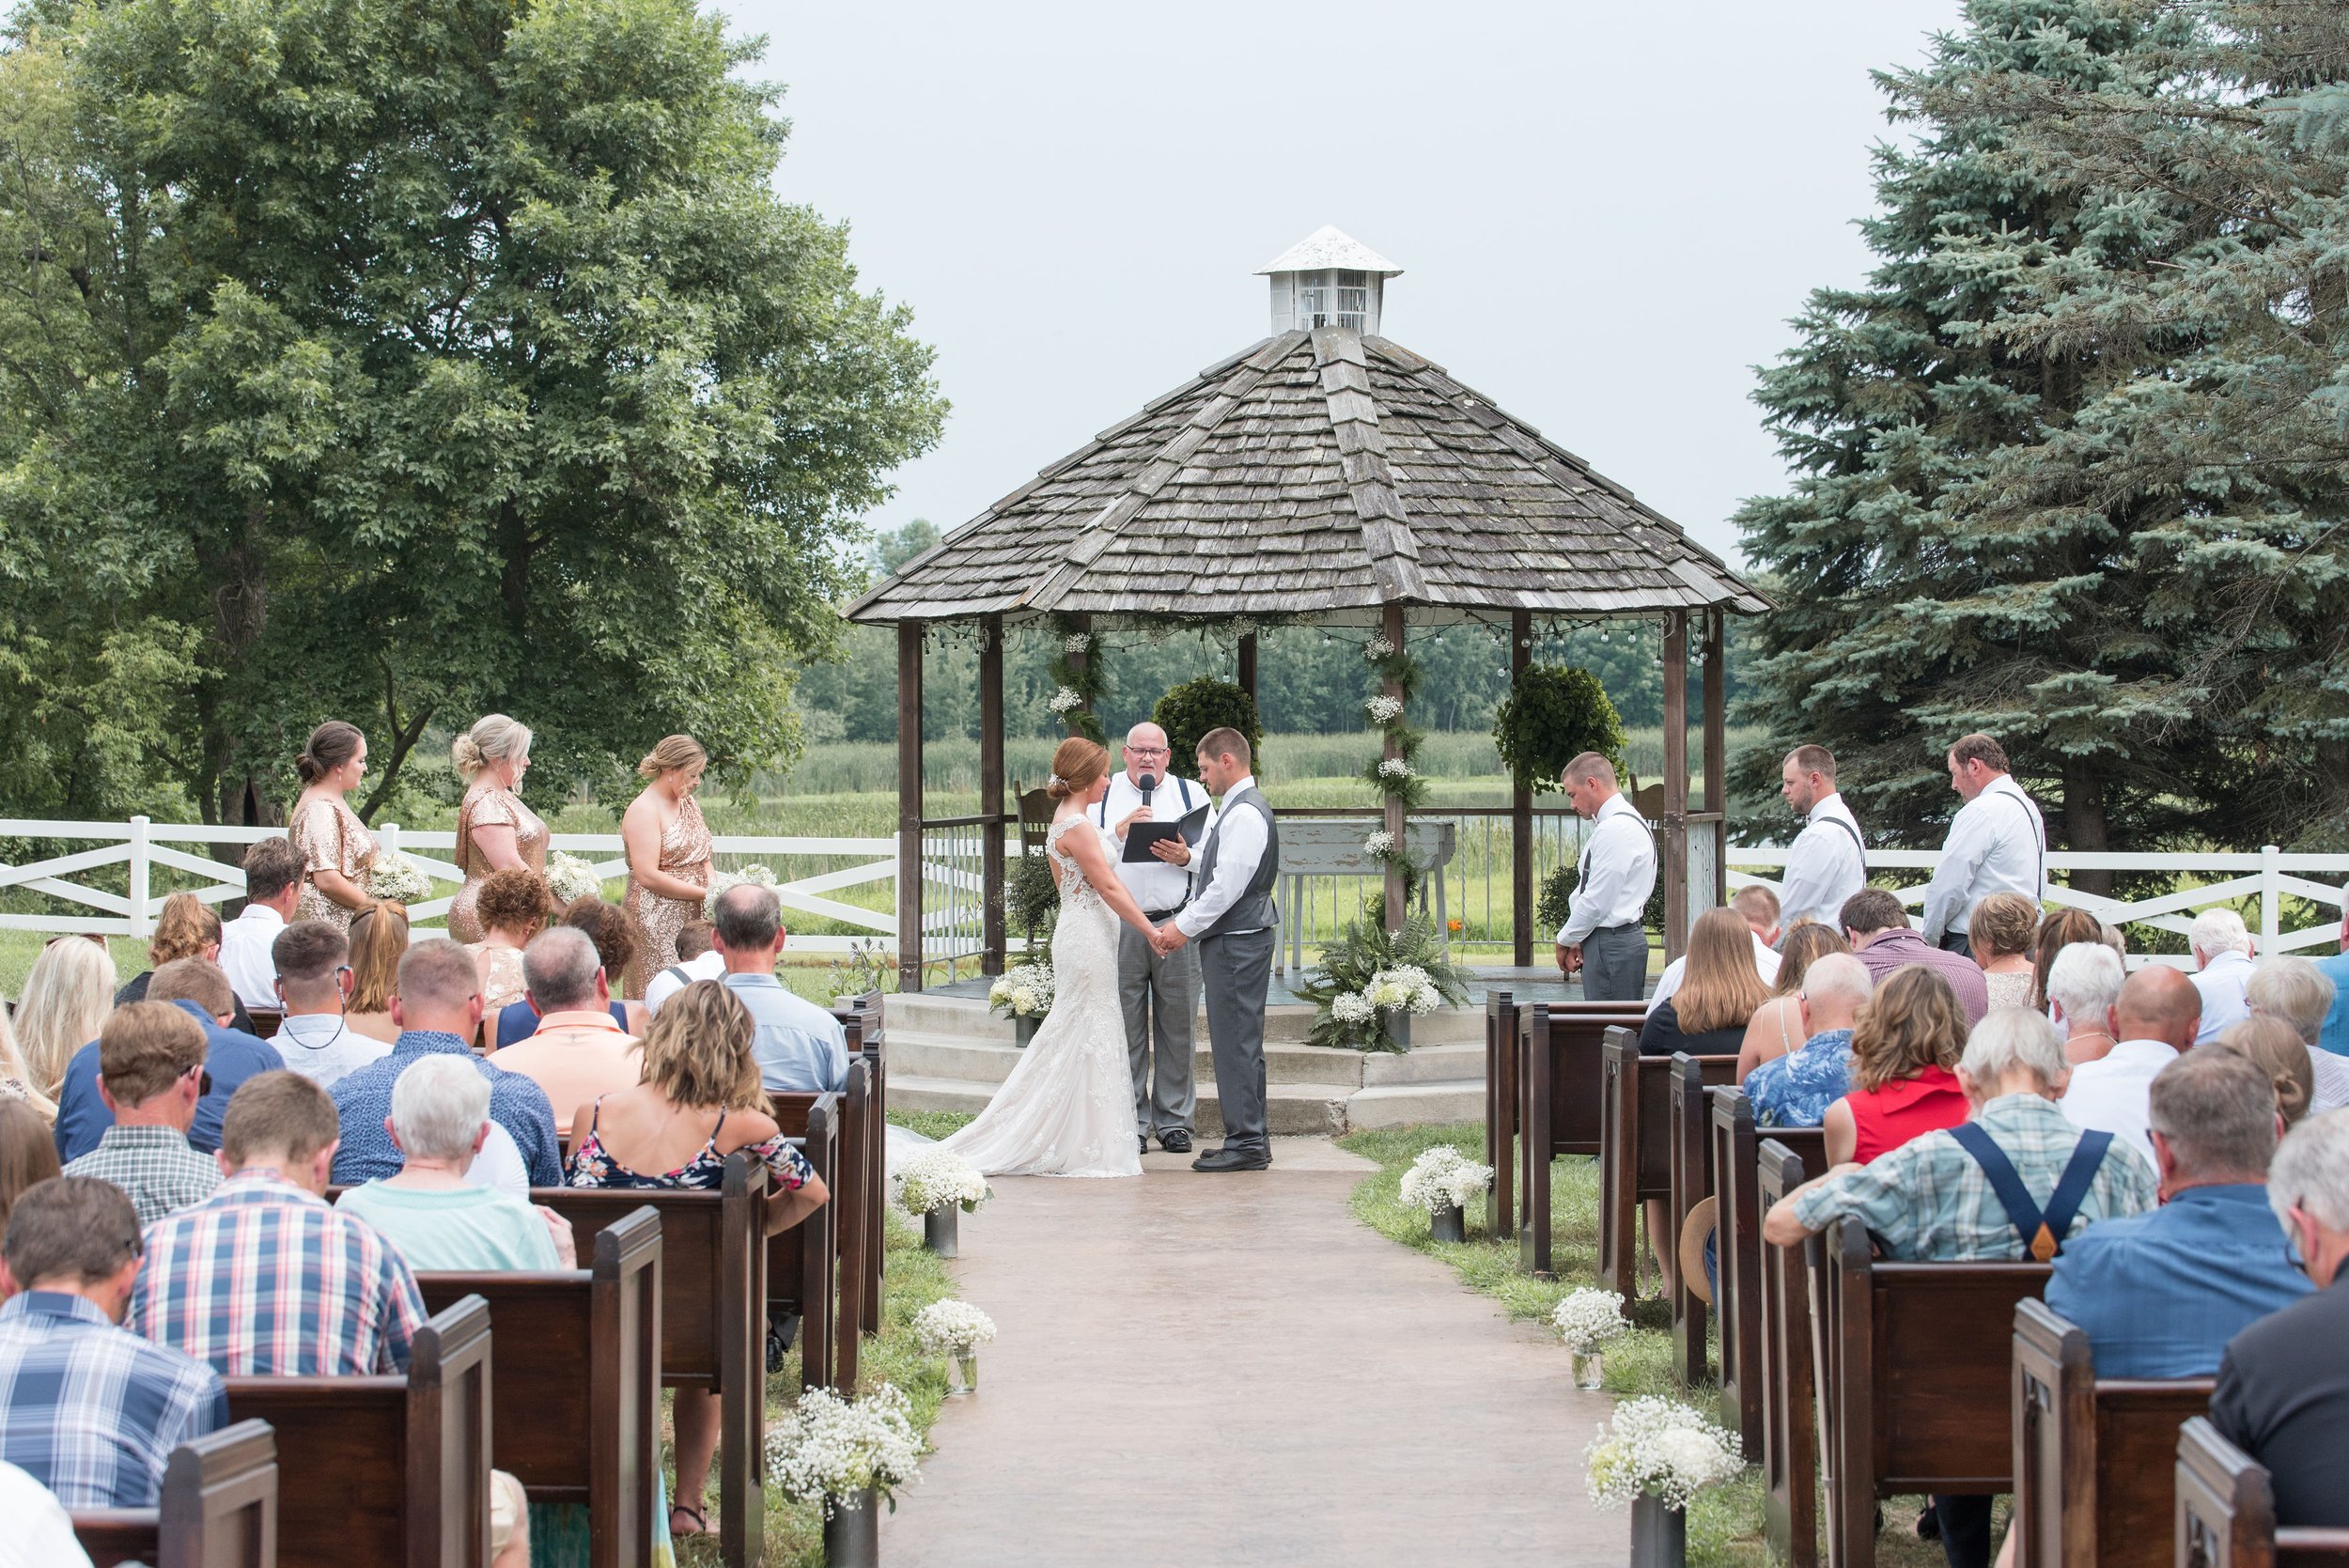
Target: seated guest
[799,1047]
[607,926]
[2010,1184]
[41,1531]
[439,1009]
[2295,990]
[90,1411]
[2083,982]
[2274,1047]
[1999,934]
[151,1067]
[2283,1385]
[1758,907]
[2154,1022]
[1882,939]
[64,1002]
[1795,1090]
[1905,1051]
[16,1077]
[435,1217]
[2161,1293]
[698,958]
[2334,1037]
[313,986]
[1776,1027]
[201,990]
[579,1053]
[2058,930]
[262,1279]
[28,1155]
[2222,963]
[272,881]
[1708,1016]
[700,1101]
[378,936]
[512,905]
[185,928]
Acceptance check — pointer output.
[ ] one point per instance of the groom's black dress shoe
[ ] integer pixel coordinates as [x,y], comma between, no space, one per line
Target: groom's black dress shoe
[1232,1159]
[1174,1140]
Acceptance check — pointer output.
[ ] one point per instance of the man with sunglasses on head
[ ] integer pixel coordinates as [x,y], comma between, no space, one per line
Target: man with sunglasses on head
[313,985]
[1159,990]
[150,1073]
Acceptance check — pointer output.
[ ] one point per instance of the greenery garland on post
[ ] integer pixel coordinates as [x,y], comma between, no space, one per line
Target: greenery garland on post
[1076,672]
[1396,777]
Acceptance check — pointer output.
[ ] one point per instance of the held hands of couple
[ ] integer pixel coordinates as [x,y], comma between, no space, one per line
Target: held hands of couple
[1168,937]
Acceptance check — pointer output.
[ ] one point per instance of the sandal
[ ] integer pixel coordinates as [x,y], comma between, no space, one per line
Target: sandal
[701,1520]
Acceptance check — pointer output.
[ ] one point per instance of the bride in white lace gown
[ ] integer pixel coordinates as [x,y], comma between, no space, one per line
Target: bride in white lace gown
[1068,1109]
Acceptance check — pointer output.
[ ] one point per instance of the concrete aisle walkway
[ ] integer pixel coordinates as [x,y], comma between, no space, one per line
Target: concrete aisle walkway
[1223,1370]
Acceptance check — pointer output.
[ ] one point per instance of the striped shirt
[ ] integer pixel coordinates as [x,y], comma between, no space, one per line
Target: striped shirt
[263,1280]
[155,1167]
[91,1412]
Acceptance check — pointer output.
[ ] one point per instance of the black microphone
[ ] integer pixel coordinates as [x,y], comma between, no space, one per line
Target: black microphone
[1147,783]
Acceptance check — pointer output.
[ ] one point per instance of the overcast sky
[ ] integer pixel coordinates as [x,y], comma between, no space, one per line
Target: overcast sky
[1604,213]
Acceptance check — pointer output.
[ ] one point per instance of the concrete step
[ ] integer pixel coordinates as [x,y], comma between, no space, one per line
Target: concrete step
[1402,1104]
[990,1061]
[969,1017]
[1310,1109]
[1426,1064]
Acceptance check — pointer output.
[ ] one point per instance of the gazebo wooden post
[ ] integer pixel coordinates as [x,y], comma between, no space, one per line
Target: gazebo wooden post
[1521,810]
[1247,665]
[1716,748]
[1675,867]
[908,805]
[991,794]
[1397,823]
[1079,661]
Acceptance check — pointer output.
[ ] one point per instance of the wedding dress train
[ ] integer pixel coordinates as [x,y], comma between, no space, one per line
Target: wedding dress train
[1068,1109]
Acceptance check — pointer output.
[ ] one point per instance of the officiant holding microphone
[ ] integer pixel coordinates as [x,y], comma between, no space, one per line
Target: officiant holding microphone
[1159,990]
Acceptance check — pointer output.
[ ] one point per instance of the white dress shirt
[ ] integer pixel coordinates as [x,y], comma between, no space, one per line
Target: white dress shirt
[2221,982]
[711,965]
[1766,962]
[2113,1094]
[1618,871]
[2332,1080]
[499,1166]
[1240,840]
[246,957]
[1997,843]
[41,1531]
[1155,884]
[1824,865]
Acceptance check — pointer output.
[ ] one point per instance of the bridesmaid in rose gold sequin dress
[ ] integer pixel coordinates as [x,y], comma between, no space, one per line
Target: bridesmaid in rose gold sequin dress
[495,831]
[335,846]
[668,855]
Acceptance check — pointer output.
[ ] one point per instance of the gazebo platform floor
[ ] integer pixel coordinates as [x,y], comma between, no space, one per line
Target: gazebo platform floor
[1537,983]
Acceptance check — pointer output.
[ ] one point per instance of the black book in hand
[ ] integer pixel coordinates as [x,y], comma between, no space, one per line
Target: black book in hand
[1142,835]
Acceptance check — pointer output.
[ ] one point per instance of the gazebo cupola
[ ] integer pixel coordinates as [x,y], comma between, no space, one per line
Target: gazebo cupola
[1328,279]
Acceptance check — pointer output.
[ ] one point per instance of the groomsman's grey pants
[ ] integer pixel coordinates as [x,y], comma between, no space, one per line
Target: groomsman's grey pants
[1614,963]
[1237,970]
[1160,995]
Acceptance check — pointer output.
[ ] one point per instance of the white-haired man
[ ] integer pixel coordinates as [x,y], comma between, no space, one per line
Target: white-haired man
[2223,964]
[2083,982]
[1827,861]
[1160,991]
[1605,935]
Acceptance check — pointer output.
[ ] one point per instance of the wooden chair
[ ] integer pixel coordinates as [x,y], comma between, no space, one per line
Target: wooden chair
[1915,1366]
[267,1021]
[714,1290]
[218,1507]
[576,1392]
[1559,1085]
[803,1262]
[1500,1112]
[1738,1241]
[1635,1145]
[2226,1511]
[1789,1447]
[861,1017]
[385,1472]
[2092,1455]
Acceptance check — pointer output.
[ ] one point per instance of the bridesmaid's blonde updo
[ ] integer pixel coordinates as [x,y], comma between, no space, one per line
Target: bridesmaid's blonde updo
[675,751]
[332,744]
[1075,765]
[494,738]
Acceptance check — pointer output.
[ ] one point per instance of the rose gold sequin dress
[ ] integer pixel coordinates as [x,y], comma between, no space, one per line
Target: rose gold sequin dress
[489,805]
[501,971]
[685,849]
[329,837]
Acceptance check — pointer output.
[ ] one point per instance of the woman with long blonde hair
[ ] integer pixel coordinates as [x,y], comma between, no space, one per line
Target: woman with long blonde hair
[1719,992]
[16,1078]
[65,1003]
[379,934]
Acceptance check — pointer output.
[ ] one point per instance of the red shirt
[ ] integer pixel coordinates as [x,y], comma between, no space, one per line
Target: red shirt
[1903,1109]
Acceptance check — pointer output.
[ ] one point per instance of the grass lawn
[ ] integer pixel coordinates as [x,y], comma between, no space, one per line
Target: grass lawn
[1725,1525]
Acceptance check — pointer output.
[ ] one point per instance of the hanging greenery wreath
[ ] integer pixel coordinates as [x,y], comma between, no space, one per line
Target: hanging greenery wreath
[1189,711]
[1553,714]
[1077,679]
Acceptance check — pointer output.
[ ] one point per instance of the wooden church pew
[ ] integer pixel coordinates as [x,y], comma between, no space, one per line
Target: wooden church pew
[1790,1447]
[1738,1241]
[218,1507]
[2226,1511]
[803,1262]
[1558,1104]
[1635,1146]
[1500,1112]
[860,1017]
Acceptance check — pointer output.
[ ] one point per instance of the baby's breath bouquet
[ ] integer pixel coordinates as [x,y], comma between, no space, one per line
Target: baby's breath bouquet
[394,875]
[1660,1447]
[569,878]
[831,1450]
[952,1327]
[1442,1177]
[935,1179]
[1022,992]
[1589,1318]
[721,881]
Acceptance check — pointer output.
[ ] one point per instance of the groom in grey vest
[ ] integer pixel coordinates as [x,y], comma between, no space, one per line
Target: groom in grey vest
[1231,918]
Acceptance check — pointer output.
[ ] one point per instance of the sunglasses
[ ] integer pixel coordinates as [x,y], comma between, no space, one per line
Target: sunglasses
[203,1079]
[85,936]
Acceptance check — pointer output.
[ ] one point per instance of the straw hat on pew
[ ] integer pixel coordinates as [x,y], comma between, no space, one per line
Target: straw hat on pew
[1693,1233]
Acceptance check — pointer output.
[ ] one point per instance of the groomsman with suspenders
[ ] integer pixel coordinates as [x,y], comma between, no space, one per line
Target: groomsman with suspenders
[1159,990]
[1997,843]
[1827,861]
[1605,937]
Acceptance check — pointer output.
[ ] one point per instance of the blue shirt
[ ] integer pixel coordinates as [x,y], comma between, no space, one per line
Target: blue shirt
[800,1048]
[230,1055]
[1794,1090]
[363,1099]
[92,1411]
[2161,1293]
[2335,1037]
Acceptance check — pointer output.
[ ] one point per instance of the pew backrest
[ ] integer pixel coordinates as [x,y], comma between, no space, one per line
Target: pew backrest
[1635,1146]
[217,1508]
[2225,1515]
[1500,1112]
[803,1262]
[1790,1447]
[1737,1145]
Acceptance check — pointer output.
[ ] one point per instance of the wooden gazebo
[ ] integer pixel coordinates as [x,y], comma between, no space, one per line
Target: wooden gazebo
[1324,475]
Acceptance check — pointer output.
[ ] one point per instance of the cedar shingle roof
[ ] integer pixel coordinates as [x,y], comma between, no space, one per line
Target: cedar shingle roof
[1316,473]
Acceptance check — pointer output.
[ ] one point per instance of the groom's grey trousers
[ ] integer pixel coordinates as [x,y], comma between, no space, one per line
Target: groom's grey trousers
[1160,992]
[1239,970]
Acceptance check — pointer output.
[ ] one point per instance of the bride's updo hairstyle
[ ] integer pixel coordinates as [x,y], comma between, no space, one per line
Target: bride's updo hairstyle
[675,751]
[494,738]
[1075,765]
[332,744]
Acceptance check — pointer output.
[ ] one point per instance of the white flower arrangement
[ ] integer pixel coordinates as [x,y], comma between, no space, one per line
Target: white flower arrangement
[1394,767]
[394,875]
[829,1449]
[1077,641]
[1442,1177]
[952,1327]
[1022,992]
[1351,1007]
[1589,1318]
[570,877]
[1380,845]
[1661,1448]
[721,881]
[1406,989]
[1067,700]
[934,1179]
[1378,648]
[1384,709]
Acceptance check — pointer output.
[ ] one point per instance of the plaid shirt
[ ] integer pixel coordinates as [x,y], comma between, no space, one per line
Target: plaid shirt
[263,1280]
[91,1412]
[363,1099]
[155,1167]
[1928,1201]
